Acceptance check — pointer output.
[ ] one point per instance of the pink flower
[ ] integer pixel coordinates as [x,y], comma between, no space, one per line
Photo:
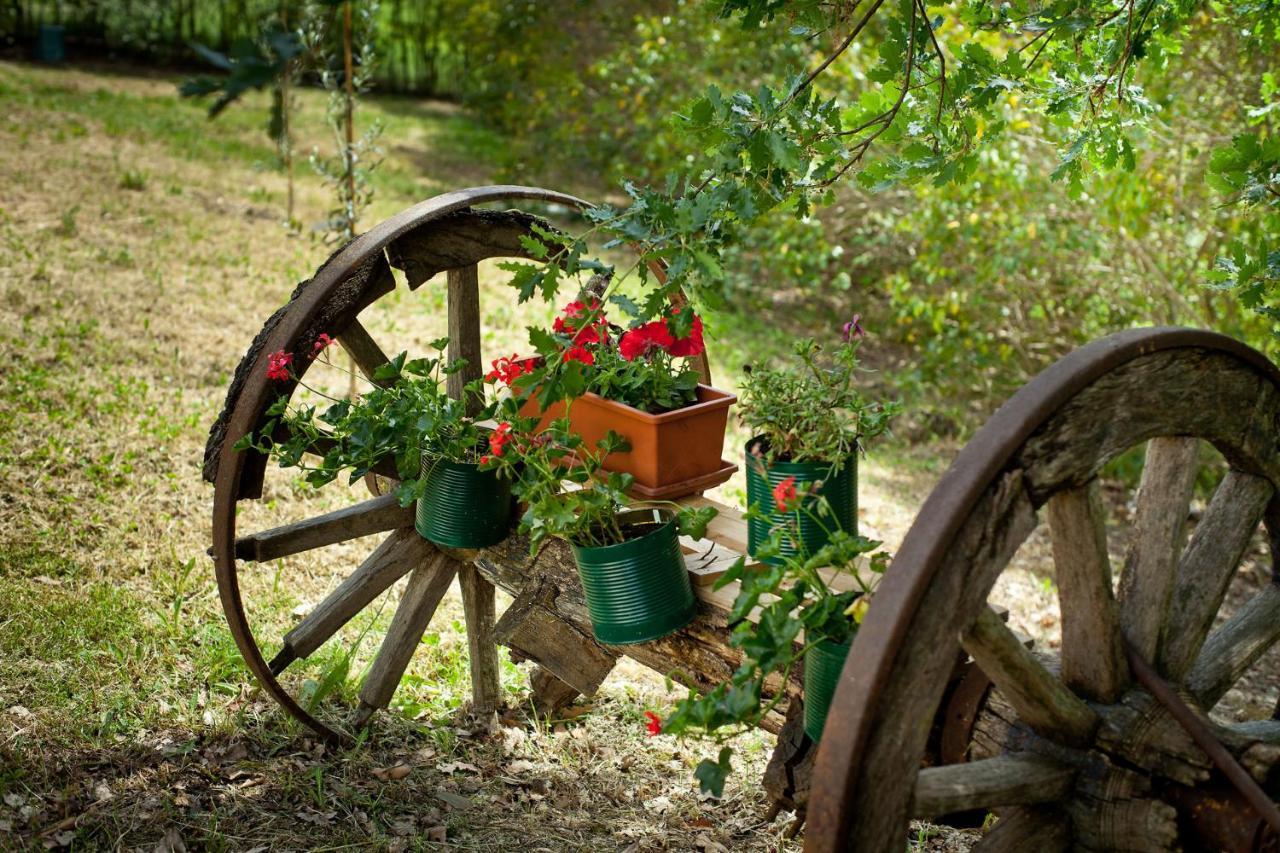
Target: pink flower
[784,494]
[653,723]
[322,343]
[278,366]
[853,329]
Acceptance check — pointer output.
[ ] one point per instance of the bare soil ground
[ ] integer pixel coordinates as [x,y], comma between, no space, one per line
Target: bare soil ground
[141,248]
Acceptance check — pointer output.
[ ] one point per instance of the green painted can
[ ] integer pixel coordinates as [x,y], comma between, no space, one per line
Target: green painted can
[462,506]
[637,590]
[822,665]
[840,489]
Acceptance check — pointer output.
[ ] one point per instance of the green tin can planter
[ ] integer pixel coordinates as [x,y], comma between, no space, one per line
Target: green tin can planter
[637,590]
[840,490]
[822,665]
[462,506]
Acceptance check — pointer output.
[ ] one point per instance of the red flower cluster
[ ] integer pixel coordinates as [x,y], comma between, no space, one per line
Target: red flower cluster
[653,723]
[498,440]
[644,341]
[509,369]
[580,353]
[322,343]
[278,366]
[570,323]
[784,495]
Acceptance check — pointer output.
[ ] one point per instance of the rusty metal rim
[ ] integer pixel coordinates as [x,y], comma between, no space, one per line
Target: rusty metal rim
[254,398]
[883,634]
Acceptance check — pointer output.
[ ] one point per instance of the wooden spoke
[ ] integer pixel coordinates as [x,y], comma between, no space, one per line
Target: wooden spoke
[427,585]
[1207,566]
[1009,780]
[1045,830]
[464,330]
[398,554]
[1235,646]
[1093,660]
[363,519]
[1146,582]
[1042,701]
[364,350]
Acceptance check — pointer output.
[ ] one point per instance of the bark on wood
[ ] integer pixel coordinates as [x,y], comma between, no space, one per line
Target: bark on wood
[532,630]
[400,553]
[1137,825]
[462,239]
[1022,828]
[1208,565]
[789,774]
[1044,703]
[1093,660]
[1147,580]
[427,585]
[1010,780]
[549,693]
[364,351]
[1235,646]
[999,522]
[363,519]
[370,281]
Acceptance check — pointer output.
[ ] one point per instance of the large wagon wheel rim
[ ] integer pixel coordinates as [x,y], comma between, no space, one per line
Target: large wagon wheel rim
[256,395]
[884,634]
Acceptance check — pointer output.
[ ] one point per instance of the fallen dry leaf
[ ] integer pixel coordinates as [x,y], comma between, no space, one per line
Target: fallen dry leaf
[392,774]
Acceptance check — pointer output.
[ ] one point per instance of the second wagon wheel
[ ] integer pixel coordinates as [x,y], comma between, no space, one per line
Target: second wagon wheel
[450,234]
[1111,747]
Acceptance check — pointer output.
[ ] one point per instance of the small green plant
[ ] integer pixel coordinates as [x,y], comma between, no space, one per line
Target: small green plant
[67,226]
[780,612]
[814,411]
[133,179]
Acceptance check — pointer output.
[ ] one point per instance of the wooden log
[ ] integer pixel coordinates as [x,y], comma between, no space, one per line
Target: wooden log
[1009,780]
[699,656]
[1093,660]
[1147,580]
[1207,566]
[477,593]
[1043,702]
[364,351]
[789,775]
[1141,825]
[1022,828]
[1235,646]
[427,585]
[549,693]
[363,519]
[398,554]
[532,630]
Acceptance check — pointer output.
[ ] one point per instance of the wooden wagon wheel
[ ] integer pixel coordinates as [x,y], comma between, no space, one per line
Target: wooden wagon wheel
[450,234]
[1094,751]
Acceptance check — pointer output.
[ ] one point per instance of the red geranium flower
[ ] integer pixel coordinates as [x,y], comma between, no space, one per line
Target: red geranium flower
[509,369]
[321,344]
[784,494]
[643,341]
[498,440]
[692,345]
[278,366]
[581,354]
[595,333]
[653,723]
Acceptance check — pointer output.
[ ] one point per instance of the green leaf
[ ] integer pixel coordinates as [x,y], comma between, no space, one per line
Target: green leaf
[711,775]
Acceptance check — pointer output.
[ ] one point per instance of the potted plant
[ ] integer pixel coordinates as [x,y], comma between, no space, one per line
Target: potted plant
[435,442]
[805,609]
[637,382]
[807,422]
[628,558]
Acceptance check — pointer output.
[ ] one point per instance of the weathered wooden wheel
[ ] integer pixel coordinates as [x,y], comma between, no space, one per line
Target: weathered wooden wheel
[451,234]
[1095,751]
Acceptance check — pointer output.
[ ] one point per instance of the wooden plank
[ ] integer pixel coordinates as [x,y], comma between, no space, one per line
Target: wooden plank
[364,351]
[549,693]
[1093,660]
[532,630]
[427,585]
[399,554]
[728,528]
[1022,828]
[1010,780]
[1236,646]
[1043,702]
[1146,582]
[363,519]
[1207,566]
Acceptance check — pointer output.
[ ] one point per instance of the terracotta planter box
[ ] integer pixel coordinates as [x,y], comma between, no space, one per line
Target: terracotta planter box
[672,454]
